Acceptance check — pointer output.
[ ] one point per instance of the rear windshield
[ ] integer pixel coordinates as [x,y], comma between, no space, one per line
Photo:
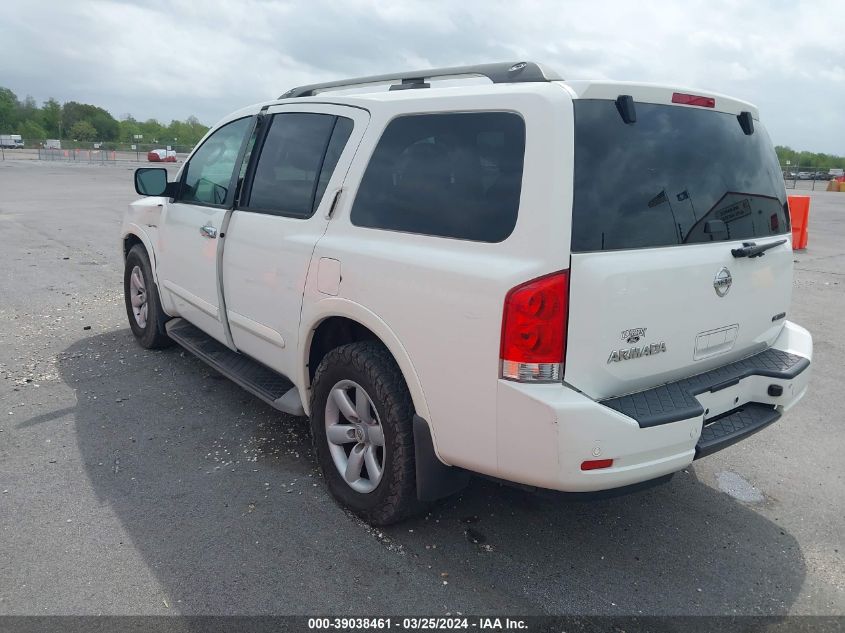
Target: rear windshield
[661,180]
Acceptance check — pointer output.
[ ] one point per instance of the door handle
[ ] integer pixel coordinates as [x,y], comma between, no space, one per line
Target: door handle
[208,231]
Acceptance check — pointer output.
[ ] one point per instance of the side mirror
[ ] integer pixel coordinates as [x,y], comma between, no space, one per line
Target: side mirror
[151,181]
[715,227]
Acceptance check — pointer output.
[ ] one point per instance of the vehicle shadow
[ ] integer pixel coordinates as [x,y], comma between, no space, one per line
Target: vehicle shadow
[221,496]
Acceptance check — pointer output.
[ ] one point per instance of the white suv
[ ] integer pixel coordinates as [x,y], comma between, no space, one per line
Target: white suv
[570,285]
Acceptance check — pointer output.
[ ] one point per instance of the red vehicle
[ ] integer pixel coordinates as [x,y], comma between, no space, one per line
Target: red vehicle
[161,156]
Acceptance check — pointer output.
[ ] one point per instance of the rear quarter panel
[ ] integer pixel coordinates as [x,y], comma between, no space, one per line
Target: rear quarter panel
[443,298]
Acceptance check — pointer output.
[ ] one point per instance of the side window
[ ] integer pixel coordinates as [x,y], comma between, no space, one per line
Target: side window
[342,130]
[208,175]
[299,154]
[247,154]
[453,175]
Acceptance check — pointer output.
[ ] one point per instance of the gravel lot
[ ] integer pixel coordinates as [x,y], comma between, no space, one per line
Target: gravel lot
[136,482]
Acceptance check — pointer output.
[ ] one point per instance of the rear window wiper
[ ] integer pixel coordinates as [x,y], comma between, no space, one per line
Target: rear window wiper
[750,249]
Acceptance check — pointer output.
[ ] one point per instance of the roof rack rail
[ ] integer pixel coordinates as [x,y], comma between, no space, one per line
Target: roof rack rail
[498,73]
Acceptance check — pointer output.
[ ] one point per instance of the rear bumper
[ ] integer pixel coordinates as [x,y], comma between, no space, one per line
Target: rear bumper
[545,432]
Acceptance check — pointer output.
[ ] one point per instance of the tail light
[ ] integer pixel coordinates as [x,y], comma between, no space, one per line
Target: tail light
[534,329]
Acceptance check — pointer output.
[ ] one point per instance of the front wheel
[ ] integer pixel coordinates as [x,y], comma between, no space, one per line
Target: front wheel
[143,306]
[361,425]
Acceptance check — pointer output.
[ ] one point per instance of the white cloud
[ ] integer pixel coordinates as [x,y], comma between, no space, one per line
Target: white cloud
[172,58]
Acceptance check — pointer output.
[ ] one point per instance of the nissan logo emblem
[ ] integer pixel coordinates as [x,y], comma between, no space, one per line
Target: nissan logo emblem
[722,282]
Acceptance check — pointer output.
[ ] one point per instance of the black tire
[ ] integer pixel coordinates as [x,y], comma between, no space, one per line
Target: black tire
[370,365]
[153,334]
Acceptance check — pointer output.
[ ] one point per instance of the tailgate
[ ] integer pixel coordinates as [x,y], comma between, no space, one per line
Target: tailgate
[660,201]
[657,315]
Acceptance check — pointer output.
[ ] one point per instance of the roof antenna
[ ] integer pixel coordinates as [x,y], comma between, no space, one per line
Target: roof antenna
[625,105]
[746,122]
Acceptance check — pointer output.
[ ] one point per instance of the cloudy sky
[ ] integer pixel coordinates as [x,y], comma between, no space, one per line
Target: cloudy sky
[173,58]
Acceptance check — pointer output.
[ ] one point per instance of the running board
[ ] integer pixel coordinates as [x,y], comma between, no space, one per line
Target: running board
[272,387]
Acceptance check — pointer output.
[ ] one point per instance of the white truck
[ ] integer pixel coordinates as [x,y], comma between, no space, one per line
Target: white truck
[11,141]
[579,286]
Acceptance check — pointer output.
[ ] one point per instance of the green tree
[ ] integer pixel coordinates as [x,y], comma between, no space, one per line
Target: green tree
[54,120]
[102,121]
[153,131]
[28,110]
[8,111]
[83,131]
[31,131]
[810,160]
[51,118]
[189,131]
[129,127]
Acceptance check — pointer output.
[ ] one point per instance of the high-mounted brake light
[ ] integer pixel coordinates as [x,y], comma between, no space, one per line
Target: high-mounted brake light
[693,100]
[534,329]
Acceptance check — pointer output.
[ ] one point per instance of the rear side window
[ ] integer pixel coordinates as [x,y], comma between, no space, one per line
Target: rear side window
[660,180]
[455,175]
[296,162]
[340,134]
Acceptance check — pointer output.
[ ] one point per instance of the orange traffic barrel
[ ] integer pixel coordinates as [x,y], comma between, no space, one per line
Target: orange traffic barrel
[799,213]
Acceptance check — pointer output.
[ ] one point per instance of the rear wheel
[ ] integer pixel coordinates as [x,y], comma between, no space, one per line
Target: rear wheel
[361,424]
[143,306]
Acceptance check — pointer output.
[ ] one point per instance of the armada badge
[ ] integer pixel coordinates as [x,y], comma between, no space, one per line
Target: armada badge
[722,282]
[631,353]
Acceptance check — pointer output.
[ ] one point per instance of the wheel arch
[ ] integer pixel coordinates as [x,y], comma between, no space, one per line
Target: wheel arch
[340,321]
[333,316]
[136,235]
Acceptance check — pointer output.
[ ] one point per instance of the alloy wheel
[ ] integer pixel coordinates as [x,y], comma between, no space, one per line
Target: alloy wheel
[355,436]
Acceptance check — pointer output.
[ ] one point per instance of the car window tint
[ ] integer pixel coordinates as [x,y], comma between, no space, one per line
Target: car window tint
[288,169]
[340,135]
[659,181]
[209,172]
[247,154]
[453,175]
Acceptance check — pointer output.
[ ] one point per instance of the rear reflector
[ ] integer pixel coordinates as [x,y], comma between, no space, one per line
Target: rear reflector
[693,100]
[534,329]
[595,464]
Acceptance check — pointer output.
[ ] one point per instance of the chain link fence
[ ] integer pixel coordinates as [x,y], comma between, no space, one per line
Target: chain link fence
[86,152]
[809,177]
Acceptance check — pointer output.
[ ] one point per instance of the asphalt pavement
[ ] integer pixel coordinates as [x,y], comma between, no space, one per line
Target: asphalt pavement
[142,482]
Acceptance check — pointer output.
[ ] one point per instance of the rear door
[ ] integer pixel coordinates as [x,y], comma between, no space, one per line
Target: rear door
[290,186]
[659,204]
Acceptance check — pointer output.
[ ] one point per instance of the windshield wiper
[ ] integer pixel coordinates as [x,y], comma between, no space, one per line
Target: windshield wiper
[750,249]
